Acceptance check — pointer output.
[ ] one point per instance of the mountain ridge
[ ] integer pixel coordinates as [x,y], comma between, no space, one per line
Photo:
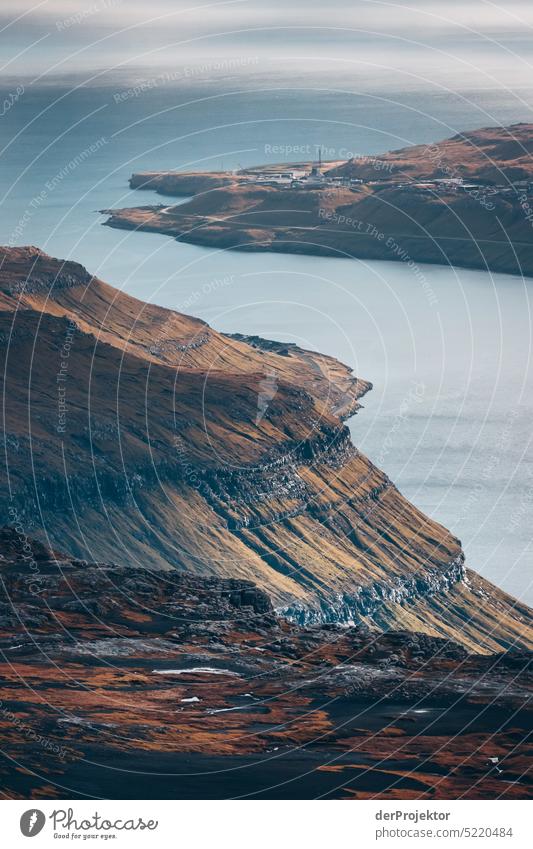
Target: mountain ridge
[165,450]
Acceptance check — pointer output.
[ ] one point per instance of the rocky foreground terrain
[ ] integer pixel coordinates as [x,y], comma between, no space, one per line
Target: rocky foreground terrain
[390,214]
[122,682]
[140,436]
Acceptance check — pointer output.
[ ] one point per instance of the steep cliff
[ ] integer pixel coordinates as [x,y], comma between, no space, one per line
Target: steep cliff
[140,436]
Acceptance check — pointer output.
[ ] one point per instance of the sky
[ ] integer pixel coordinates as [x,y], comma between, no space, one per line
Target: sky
[487,41]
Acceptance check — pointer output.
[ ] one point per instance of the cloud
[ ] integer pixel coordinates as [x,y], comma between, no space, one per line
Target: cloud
[95,33]
[382,15]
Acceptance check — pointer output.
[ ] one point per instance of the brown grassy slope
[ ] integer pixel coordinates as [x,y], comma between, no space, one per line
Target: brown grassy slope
[160,460]
[396,224]
[30,280]
[493,155]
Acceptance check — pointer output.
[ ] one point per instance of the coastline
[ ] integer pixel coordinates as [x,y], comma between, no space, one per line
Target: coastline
[415,251]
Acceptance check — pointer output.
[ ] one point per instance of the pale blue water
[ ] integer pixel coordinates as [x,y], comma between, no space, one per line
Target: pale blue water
[449,417]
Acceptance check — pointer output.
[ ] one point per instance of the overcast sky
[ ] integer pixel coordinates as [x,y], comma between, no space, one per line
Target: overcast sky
[69,36]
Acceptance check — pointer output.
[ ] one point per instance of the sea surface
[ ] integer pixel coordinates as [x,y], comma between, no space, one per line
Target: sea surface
[448,350]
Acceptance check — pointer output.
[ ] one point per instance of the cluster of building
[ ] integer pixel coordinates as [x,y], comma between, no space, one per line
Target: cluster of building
[458,185]
[299,178]
[314,178]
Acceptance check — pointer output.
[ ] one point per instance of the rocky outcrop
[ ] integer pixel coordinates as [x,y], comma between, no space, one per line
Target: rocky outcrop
[29,273]
[369,601]
[39,582]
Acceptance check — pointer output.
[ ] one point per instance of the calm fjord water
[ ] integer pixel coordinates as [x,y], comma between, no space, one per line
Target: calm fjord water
[450,415]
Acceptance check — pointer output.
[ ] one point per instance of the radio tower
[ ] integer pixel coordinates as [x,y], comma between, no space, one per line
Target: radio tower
[316,170]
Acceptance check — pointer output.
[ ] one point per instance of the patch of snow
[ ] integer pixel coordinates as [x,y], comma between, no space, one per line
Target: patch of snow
[207,669]
[226,710]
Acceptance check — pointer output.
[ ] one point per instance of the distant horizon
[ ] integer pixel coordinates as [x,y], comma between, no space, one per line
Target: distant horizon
[472,45]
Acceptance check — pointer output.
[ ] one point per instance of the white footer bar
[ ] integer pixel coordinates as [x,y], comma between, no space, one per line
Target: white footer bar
[268,824]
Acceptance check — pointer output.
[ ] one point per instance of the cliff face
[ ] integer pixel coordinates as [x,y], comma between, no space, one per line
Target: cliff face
[143,437]
[174,681]
[392,214]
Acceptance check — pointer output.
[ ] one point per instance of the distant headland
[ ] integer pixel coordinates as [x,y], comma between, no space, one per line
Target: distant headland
[466,201]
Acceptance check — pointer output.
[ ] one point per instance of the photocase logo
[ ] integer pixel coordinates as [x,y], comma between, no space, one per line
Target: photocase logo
[267,390]
[32,822]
